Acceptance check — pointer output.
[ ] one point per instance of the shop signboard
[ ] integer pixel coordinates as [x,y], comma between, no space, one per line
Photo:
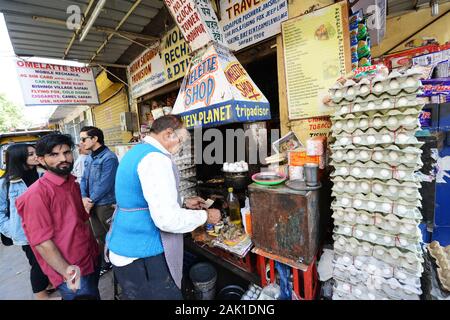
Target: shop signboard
[52,84]
[159,65]
[316,53]
[217,90]
[312,127]
[197,21]
[245,23]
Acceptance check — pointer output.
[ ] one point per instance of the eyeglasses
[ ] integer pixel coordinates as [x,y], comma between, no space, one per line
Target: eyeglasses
[83,139]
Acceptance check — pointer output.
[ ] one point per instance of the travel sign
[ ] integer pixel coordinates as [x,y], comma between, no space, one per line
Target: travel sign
[51,84]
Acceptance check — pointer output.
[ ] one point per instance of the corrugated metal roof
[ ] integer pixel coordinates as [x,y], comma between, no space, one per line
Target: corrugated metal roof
[31,37]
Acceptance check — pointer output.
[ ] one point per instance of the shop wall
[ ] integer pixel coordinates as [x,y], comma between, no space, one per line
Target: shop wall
[107,117]
[399,29]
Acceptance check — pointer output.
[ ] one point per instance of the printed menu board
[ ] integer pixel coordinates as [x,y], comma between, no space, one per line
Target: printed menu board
[316,53]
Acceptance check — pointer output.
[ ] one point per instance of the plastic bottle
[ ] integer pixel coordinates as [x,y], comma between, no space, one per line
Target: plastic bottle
[234,208]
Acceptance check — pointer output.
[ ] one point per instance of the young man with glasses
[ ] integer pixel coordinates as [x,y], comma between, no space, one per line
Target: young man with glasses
[97,184]
[145,241]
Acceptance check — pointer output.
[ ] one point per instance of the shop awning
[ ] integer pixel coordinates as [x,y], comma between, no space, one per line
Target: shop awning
[217,90]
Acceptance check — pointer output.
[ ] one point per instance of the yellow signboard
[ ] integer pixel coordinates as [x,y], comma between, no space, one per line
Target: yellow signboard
[175,54]
[312,127]
[316,52]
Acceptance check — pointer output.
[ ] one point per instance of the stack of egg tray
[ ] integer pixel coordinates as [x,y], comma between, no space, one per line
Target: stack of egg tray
[376,208]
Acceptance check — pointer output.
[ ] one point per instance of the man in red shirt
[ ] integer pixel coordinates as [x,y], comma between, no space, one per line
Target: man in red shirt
[56,224]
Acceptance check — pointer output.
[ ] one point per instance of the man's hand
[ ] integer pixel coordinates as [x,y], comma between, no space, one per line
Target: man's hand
[88,204]
[214,216]
[72,277]
[194,203]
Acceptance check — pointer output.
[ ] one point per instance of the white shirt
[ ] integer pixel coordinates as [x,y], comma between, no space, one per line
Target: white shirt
[158,182]
[78,167]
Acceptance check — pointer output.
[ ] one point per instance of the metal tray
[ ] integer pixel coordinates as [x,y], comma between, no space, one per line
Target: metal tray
[300,185]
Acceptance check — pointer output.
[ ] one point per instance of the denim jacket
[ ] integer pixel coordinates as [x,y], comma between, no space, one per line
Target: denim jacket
[97,182]
[12,226]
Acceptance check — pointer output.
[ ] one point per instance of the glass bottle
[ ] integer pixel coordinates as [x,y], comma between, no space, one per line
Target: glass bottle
[234,208]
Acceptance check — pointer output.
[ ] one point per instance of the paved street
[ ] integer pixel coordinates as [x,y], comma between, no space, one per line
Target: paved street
[15,277]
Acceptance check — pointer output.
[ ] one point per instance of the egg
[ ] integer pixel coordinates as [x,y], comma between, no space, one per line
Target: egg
[364,155]
[378,88]
[350,92]
[393,223]
[338,125]
[377,122]
[371,139]
[357,203]
[393,155]
[226,167]
[344,109]
[346,259]
[411,82]
[365,186]
[357,139]
[338,93]
[401,209]
[378,188]
[357,292]
[350,124]
[359,233]
[372,236]
[371,205]
[409,120]
[371,296]
[371,105]
[366,248]
[351,215]
[401,275]
[401,174]
[338,154]
[352,185]
[380,252]
[344,140]
[402,102]
[393,189]
[386,104]
[357,107]
[344,171]
[369,173]
[346,287]
[387,239]
[403,242]
[356,171]
[345,201]
[402,138]
[408,190]
[364,89]
[392,121]
[364,217]
[341,241]
[351,155]
[410,157]
[408,226]
[385,173]
[358,264]
[378,155]
[394,84]
[386,138]
[340,185]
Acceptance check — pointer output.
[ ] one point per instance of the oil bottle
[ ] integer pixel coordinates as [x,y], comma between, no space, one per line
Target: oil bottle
[234,208]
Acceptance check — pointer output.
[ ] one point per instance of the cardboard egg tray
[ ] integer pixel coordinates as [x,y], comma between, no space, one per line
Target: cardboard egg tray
[346,291]
[401,208]
[392,120]
[351,274]
[389,223]
[410,261]
[393,84]
[371,170]
[383,103]
[391,189]
[441,256]
[378,236]
[383,137]
[392,155]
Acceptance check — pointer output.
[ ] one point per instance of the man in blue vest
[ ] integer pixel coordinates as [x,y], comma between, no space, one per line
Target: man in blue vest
[145,241]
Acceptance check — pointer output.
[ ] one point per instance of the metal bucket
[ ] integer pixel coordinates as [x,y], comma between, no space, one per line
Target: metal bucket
[203,276]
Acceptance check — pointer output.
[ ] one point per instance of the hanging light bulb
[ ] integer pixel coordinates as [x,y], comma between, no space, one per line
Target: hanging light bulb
[434,4]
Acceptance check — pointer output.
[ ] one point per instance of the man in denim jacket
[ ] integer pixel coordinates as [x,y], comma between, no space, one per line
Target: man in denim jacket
[97,183]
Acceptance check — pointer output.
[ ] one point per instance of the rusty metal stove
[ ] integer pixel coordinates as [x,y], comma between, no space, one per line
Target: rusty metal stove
[285,222]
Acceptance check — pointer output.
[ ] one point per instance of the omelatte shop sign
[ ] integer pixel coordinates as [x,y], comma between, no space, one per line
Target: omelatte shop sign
[52,84]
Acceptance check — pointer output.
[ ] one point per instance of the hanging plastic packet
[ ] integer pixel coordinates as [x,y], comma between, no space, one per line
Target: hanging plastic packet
[73,283]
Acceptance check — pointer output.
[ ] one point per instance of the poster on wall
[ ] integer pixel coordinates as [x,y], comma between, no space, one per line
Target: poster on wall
[316,53]
[312,127]
[162,63]
[246,23]
[217,90]
[52,84]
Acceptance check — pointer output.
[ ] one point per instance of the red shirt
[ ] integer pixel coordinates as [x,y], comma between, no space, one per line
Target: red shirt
[52,209]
